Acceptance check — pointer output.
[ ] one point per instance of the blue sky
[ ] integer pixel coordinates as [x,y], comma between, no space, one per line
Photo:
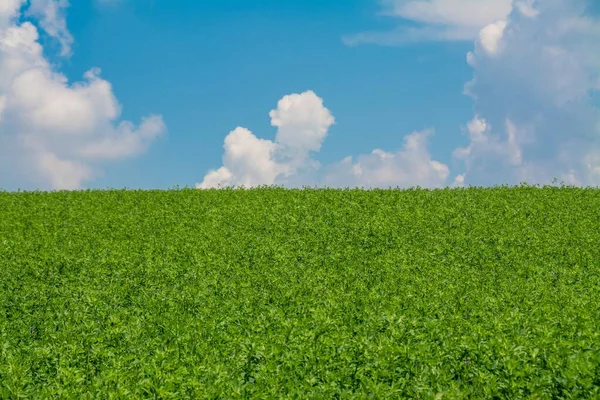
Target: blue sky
[382,70]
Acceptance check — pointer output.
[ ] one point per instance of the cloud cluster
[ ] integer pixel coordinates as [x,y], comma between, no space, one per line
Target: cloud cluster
[302,123]
[534,75]
[53,133]
[536,66]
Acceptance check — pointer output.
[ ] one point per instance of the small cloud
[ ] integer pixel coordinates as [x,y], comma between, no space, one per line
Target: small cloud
[459,181]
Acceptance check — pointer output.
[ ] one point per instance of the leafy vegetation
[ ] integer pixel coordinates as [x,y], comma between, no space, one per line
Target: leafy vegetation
[314,293]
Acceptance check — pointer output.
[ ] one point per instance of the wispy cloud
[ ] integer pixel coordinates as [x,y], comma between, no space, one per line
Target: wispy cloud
[433,20]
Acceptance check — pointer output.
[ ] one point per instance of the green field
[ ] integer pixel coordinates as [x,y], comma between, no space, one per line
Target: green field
[314,293]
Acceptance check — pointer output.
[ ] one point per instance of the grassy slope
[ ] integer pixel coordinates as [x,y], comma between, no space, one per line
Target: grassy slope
[315,293]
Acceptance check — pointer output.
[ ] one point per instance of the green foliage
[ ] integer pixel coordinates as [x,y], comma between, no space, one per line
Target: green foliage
[314,293]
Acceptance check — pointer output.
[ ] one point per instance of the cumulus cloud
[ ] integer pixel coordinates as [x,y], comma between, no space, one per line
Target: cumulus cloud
[410,166]
[302,123]
[534,74]
[536,67]
[9,10]
[487,153]
[54,132]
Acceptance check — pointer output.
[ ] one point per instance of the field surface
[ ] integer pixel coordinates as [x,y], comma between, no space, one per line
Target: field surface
[275,293]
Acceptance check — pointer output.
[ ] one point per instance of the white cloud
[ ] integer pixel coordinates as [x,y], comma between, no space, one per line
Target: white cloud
[436,20]
[536,64]
[412,165]
[302,123]
[248,161]
[527,8]
[488,153]
[43,99]
[59,130]
[491,35]
[531,86]
[52,19]
[126,140]
[459,181]
[9,10]
[63,174]
[464,13]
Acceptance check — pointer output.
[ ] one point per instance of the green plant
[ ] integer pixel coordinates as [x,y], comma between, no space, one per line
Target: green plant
[314,293]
